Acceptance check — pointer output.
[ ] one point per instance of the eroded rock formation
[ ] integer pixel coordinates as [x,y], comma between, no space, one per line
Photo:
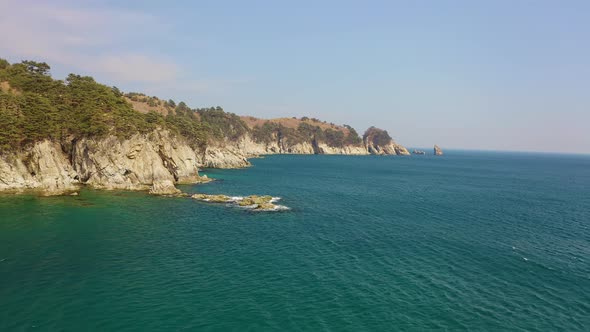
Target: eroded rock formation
[44,168]
[437,151]
[154,162]
[377,141]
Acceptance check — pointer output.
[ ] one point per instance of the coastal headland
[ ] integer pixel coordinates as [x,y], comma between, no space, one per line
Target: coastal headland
[57,135]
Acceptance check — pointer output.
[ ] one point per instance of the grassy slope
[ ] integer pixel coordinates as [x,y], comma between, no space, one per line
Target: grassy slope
[292,123]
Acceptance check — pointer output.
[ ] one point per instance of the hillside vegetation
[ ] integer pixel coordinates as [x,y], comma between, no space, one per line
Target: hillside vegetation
[35,107]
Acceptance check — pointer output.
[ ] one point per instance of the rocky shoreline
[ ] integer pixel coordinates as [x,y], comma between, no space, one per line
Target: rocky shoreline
[153,162]
[59,135]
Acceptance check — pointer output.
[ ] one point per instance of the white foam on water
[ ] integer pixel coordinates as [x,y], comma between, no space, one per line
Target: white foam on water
[276,208]
[234,200]
[248,207]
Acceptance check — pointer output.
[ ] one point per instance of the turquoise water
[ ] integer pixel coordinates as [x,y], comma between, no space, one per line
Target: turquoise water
[479,241]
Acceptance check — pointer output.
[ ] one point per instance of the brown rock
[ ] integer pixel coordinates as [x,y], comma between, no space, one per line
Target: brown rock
[437,150]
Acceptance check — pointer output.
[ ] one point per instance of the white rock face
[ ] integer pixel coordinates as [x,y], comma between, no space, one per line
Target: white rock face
[156,162]
[346,150]
[44,167]
[236,154]
[390,149]
[224,157]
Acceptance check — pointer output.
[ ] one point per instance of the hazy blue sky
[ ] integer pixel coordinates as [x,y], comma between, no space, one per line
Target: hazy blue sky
[505,75]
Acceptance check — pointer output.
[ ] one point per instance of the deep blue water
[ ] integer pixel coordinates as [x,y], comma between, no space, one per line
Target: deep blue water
[470,240]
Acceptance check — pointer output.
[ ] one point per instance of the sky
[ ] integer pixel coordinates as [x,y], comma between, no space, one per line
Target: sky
[492,75]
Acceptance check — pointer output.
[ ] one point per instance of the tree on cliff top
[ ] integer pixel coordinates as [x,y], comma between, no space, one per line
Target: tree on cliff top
[41,68]
[37,107]
[377,136]
[353,137]
[4,64]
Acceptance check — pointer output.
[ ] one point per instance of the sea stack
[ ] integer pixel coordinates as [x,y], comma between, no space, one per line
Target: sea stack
[437,150]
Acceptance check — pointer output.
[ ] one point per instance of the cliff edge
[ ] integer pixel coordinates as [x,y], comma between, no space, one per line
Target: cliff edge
[377,141]
[154,162]
[56,135]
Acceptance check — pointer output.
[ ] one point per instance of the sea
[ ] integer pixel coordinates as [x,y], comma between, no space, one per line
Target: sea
[479,241]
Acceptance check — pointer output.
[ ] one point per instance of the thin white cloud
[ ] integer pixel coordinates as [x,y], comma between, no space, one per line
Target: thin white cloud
[59,33]
[132,67]
[214,86]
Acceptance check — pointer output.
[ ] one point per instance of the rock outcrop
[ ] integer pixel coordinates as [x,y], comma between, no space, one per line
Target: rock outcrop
[249,148]
[253,202]
[437,151]
[377,141]
[44,168]
[153,162]
[227,154]
[222,157]
[345,150]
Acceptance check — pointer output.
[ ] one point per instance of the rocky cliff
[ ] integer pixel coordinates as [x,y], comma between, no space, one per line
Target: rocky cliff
[227,154]
[44,168]
[154,162]
[378,141]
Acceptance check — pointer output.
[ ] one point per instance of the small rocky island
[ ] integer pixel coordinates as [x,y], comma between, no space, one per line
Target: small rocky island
[253,202]
[437,150]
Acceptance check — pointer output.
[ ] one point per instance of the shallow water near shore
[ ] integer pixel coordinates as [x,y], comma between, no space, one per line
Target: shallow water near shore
[469,240]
